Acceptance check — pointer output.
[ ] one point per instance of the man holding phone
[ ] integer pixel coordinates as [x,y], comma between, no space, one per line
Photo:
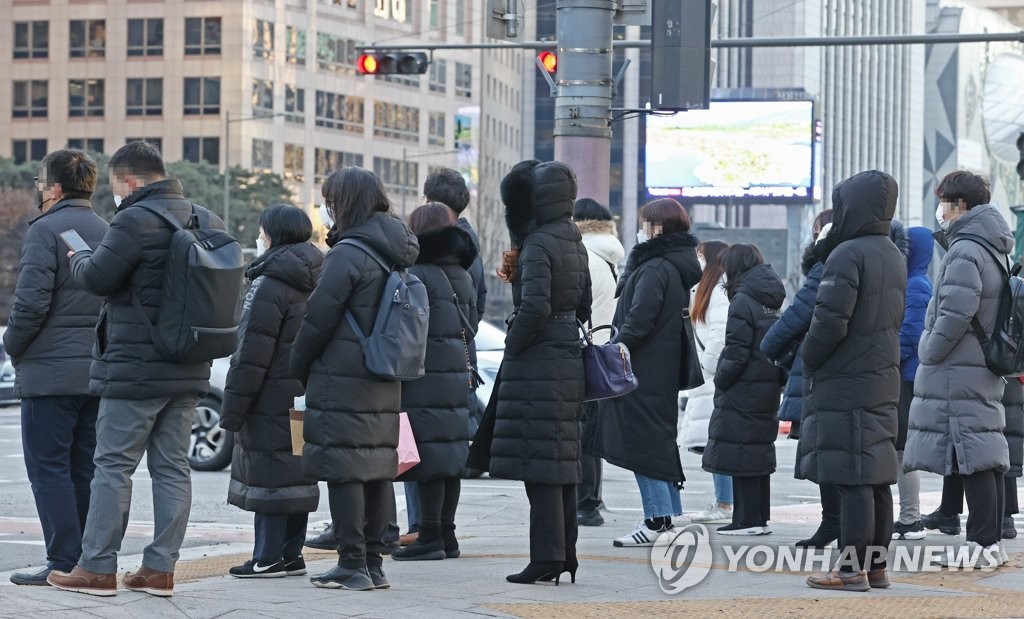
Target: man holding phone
[50,336]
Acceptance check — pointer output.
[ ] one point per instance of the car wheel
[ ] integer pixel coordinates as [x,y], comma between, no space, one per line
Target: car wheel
[210,447]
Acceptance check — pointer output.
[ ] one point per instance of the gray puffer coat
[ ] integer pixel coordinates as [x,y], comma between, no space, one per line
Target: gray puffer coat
[957,410]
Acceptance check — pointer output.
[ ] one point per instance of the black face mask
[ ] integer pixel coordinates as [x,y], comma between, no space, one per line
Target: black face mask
[42,201]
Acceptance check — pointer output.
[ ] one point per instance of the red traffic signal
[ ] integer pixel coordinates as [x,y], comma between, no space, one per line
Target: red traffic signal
[402,63]
[549,60]
[367,64]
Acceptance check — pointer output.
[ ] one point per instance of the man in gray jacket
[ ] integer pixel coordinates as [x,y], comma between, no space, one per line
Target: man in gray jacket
[957,418]
[50,336]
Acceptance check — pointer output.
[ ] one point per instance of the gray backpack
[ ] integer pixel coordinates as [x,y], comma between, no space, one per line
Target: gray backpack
[396,347]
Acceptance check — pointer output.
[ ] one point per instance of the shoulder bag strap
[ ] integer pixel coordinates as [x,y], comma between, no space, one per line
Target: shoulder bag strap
[369,251]
[474,376]
[979,331]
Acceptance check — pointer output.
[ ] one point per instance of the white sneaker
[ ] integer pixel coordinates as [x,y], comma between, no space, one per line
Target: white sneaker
[714,514]
[970,555]
[1003,557]
[641,536]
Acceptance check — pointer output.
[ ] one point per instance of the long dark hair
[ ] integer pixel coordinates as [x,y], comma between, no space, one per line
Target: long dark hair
[354,195]
[737,260]
[713,270]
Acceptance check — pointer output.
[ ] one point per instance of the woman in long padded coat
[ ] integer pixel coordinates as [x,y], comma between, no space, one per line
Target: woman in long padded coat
[265,477]
[351,421]
[540,384]
[437,403]
[638,431]
[745,424]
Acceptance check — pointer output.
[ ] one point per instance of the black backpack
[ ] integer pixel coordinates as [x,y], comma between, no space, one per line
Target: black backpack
[397,346]
[1004,348]
[200,305]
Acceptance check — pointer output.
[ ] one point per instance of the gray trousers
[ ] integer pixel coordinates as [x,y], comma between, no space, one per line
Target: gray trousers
[161,427]
[909,485]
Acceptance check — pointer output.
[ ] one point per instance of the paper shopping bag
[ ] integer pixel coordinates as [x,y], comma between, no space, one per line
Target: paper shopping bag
[295,418]
[408,453]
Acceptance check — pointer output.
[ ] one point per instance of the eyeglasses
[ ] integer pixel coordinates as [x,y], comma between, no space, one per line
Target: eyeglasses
[40,186]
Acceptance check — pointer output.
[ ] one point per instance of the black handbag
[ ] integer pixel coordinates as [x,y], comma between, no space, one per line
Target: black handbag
[690,374]
[606,367]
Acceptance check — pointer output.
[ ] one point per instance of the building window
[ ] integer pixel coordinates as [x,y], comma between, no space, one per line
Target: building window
[435,13]
[87,38]
[202,36]
[400,122]
[31,39]
[294,162]
[463,80]
[399,177]
[201,149]
[157,143]
[295,44]
[329,160]
[29,99]
[145,97]
[85,98]
[336,54]
[437,134]
[262,97]
[439,76]
[92,145]
[339,111]
[460,18]
[28,150]
[352,4]
[262,155]
[294,104]
[146,37]
[202,95]
[263,39]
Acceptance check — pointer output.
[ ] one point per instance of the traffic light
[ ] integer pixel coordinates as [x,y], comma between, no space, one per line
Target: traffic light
[548,60]
[401,63]
[1020,162]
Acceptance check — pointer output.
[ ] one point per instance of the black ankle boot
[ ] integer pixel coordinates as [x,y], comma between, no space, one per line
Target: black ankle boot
[824,536]
[451,545]
[570,566]
[428,545]
[537,570]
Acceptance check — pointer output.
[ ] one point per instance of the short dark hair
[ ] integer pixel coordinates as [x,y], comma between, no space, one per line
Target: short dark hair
[448,187]
[139,158]
[963,185]
[73,170]
[431,216]
[738,259]
[354,195]
[286,224]
[589,209]
[668,213]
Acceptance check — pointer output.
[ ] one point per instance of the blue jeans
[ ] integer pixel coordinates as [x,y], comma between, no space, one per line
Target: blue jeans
[723,489]
[278,536]
[660,498]
[412,506]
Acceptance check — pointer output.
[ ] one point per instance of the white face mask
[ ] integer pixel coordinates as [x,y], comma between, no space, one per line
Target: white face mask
[943,223]
[261,247]
[325,216]
[641,236]
[703,262]
[117,201]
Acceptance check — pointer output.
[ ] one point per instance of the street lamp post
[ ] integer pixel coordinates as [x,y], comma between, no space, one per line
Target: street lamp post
[406,156]
[227,158]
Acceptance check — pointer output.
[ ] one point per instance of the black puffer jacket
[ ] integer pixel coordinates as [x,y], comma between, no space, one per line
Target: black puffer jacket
[265,476]
[437,403]
[540,390]
[351,421]
[745,424]
[852,350]
[638,431]
[1013,404]
[130,261]
[52,326]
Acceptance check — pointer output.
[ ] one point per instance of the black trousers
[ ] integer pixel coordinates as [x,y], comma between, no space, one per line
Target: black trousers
[865,526]
[953,496]
[279,536]
[553,529]
[58,436]
[439,499]
[831,508]
[752,500]
[360,512]
[589,491]
[1011,507]
[986,502]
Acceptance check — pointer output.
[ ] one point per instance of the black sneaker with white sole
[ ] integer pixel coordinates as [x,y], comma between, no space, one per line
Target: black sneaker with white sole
[254,569]
[295,567]
[914,530]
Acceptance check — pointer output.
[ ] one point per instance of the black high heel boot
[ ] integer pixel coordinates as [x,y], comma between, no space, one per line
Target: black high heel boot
[538,570]
[824,536]
[570,566]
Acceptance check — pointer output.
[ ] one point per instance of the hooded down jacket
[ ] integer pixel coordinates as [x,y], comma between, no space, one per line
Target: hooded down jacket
[1013,404]
[957,411]
[606,253]
[700,402]
[851,352]
[919,293]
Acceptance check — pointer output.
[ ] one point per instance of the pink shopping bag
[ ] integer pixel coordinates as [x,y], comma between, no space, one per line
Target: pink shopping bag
[408,454]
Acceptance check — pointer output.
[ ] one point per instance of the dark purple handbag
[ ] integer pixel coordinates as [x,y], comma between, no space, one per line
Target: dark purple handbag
[606,367]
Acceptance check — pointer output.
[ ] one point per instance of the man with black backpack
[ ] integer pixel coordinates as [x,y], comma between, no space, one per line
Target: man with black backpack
[148,391]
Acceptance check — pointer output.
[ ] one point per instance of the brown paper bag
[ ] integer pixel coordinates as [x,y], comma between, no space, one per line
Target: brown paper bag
[295,421]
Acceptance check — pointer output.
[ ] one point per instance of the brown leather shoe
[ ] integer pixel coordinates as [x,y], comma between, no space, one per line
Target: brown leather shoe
[840,581]
[408,538]
[150,581]
[84,581]
[879,579]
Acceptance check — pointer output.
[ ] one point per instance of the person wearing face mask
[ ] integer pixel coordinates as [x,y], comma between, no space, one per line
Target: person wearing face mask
[957,419]
[266,478]
[50,334]
[638,431]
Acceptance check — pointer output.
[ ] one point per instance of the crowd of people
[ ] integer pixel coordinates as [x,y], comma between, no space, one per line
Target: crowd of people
[880,373]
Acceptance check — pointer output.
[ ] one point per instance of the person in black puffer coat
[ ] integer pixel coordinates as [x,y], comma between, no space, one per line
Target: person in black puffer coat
[351,421]
[266,478]
[852,374]
[539,392]
[638,430]
[745,423]
[1013,404]
[436,403]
